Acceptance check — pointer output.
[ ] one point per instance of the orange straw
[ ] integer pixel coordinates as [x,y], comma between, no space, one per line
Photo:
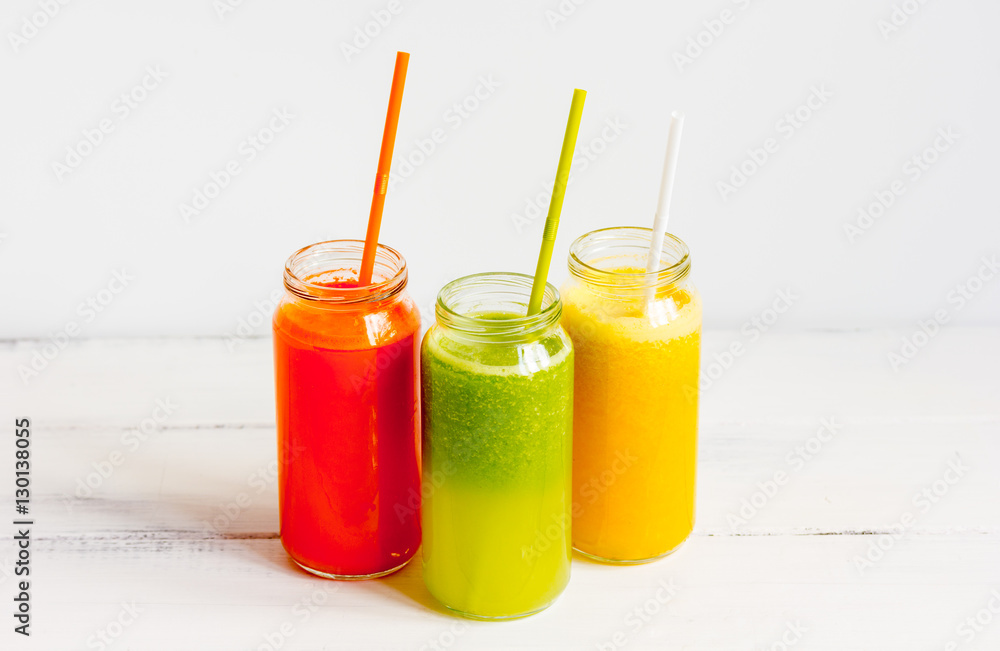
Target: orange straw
[384,163]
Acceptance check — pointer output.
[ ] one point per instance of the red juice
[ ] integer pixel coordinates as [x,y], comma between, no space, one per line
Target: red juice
[347,408]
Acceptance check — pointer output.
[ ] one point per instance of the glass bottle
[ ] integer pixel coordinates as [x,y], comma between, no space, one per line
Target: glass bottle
[497,448]
[637,338]
[345,360]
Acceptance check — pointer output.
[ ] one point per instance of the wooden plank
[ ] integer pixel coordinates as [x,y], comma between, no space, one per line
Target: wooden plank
[731,593]
[780,378]
[186,525]
[224,480]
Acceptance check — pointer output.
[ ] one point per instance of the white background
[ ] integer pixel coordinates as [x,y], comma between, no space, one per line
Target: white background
[159,530]
[63,239]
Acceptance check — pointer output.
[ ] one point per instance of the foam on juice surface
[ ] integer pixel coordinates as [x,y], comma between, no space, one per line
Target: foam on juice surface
[478,358]
[676,313]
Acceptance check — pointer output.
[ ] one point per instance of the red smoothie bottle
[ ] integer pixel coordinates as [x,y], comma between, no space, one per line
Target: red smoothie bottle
[347,413]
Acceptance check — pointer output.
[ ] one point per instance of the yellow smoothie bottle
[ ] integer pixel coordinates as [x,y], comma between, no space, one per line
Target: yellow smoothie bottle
[637,339]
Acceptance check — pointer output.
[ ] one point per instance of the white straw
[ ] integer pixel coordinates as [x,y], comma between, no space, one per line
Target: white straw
[663,205]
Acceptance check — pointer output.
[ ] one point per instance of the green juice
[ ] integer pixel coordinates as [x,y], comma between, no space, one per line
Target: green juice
[497,456]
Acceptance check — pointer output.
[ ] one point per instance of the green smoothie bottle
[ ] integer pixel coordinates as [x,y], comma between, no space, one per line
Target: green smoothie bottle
[497,448]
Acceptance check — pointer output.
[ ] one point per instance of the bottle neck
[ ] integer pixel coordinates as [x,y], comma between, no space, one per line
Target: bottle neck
[612,262]
[492,308]
[326,274]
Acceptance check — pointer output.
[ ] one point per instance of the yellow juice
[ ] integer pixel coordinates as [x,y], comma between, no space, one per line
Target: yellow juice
[493,554]
[635,417]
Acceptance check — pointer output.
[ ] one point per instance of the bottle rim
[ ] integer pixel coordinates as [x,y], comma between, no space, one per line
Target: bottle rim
[457,302]
[305,266]
[675,258]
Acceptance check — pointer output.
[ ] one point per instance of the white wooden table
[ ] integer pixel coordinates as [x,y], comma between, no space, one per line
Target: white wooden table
[179,543]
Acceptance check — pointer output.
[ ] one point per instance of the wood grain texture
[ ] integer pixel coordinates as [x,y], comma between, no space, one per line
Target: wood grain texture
[186,526]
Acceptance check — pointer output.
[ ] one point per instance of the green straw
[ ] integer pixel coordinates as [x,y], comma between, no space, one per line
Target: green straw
[555,205]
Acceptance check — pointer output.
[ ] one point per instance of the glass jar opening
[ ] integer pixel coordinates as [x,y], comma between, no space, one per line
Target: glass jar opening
[328,272]
[615,258]
[493,307]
